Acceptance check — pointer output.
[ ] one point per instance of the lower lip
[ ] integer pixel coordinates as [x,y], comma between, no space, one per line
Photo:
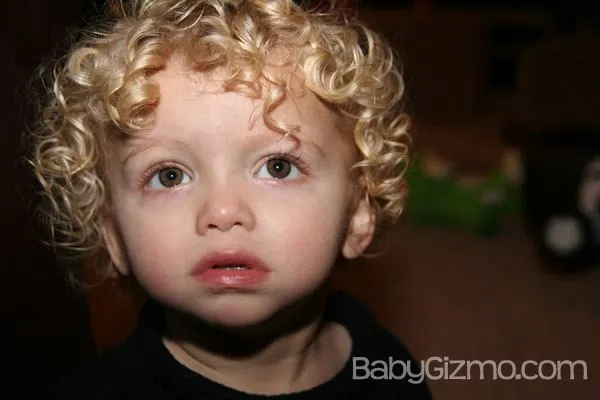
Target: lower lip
[233,278]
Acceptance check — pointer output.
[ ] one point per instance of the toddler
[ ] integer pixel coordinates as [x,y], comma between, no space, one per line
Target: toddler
[224,154]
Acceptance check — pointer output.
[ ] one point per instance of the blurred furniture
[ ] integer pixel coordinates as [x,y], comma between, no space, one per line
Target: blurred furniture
[555,118]
[561,195]
[558,86]
[441,54]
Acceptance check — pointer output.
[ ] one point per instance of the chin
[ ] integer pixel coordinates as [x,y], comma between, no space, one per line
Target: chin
[260,315]
[241,311]
[236,312]
[239,319]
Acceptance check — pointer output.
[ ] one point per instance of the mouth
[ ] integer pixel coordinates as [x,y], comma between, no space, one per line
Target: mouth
[230,260]
[232,267]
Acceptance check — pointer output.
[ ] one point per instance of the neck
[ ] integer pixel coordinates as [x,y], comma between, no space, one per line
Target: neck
[283,358]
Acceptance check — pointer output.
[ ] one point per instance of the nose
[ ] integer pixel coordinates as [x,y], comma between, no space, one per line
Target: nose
[224,210]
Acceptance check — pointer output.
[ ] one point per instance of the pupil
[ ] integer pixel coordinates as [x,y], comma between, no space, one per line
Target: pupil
[170,177]
[279,168]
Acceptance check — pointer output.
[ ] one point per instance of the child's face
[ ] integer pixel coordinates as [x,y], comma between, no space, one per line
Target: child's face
[199,183]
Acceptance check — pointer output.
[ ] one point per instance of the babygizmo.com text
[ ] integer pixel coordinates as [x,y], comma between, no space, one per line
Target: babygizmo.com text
[438,368]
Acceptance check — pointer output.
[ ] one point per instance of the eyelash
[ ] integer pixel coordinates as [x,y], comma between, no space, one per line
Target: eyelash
[293,159]
[149,174]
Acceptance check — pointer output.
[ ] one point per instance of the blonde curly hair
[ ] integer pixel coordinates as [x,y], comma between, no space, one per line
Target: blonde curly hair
[103,87]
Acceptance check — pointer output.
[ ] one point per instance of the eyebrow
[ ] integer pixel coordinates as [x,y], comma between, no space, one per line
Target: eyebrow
[136,149]
[146,144]
[266,140]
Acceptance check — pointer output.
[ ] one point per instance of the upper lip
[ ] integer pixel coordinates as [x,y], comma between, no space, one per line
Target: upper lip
[224,257]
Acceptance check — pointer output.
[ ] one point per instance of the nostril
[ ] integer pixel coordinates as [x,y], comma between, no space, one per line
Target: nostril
[222,215]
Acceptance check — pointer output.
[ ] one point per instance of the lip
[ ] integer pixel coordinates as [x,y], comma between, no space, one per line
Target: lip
[256,273]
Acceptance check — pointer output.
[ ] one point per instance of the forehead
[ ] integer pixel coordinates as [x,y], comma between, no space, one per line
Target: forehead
[178,84]
[203,102]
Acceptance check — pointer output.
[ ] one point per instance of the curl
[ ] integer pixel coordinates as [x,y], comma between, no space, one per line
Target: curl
[104,86]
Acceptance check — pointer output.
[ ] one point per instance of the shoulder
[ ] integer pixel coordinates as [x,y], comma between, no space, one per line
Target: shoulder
[390,365]
[368,335]
[379,357]
[115,374]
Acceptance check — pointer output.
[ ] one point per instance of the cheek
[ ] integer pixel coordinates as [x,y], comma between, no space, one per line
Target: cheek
[313,251]
[148,255]
[153,245]
[310,233]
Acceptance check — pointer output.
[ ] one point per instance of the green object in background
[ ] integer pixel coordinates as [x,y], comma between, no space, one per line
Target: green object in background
[438,197]
[513,200]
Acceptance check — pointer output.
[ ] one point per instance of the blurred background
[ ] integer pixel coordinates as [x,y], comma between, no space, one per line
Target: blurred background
[496,256]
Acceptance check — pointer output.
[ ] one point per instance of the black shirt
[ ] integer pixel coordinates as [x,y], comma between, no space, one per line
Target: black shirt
[143,368]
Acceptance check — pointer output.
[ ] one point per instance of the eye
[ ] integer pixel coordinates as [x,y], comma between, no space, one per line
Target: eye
[168,177]
[279,167]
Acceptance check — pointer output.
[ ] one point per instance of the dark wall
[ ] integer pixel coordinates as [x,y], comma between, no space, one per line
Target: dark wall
[46,331]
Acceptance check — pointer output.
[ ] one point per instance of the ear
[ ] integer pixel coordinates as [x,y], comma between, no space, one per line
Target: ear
[114,244]
[360,231]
